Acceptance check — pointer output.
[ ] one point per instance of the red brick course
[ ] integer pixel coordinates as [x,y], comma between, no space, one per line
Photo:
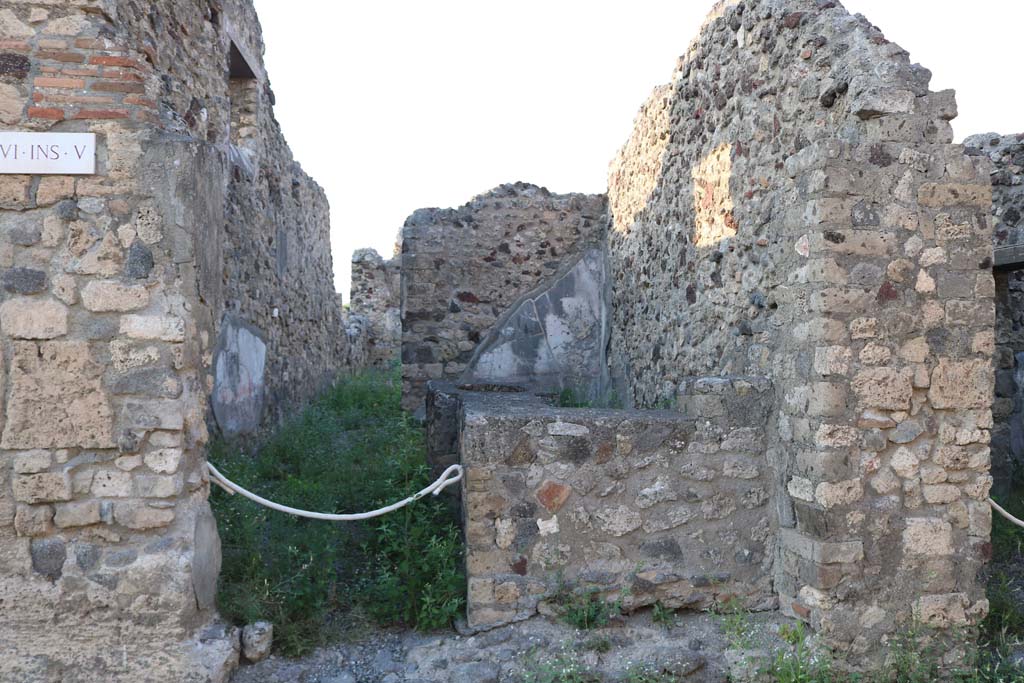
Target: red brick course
[50,82]
[51,113]
[118,86]
[140,101]
[58,56]
[80,71]
[108,60]
[71,99]
[95,44]
[101,114]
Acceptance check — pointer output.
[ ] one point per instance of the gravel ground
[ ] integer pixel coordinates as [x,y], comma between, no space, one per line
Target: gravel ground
[691,650]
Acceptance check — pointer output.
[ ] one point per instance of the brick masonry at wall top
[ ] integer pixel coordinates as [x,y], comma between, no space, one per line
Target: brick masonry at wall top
[462,268]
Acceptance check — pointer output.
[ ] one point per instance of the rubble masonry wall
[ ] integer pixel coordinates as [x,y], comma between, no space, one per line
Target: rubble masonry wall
[641,506]
[463,268]
[790,205]
[116,290]
[376,295]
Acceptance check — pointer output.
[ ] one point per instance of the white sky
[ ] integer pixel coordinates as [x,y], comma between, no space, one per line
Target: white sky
[398,105]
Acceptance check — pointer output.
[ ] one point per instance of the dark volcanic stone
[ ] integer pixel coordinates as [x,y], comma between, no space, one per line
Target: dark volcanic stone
[664,549]
[86,556]
[67,210]
[13,67]
[140,261]
[48,555]
[24,281]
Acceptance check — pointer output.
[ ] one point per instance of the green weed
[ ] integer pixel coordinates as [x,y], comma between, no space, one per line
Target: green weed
[567,398]
[666,616]
[797,662]
[648,674]
[586,609]
[735,623]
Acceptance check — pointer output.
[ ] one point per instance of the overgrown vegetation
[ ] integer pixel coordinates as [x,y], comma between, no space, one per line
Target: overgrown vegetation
[351,450]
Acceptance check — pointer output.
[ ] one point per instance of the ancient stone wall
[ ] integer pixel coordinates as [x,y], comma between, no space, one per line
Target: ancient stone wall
[643,506]
[117,291]
[270,269]
[791,205]
[376,295]
[463,268]
[1007,156]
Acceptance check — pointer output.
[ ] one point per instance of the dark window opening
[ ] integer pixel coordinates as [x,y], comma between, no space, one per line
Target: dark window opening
[244,94]
[238,66]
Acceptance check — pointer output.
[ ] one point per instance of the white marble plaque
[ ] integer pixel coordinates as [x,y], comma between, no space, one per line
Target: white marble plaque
[62,153]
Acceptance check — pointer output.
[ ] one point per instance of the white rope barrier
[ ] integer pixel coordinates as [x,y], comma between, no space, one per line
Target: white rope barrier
[450,476]
[998,508]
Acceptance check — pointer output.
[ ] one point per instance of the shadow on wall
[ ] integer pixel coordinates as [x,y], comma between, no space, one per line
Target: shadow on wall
[691,289]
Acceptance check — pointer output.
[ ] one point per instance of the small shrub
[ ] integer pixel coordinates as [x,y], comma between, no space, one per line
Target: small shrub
[417,579]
